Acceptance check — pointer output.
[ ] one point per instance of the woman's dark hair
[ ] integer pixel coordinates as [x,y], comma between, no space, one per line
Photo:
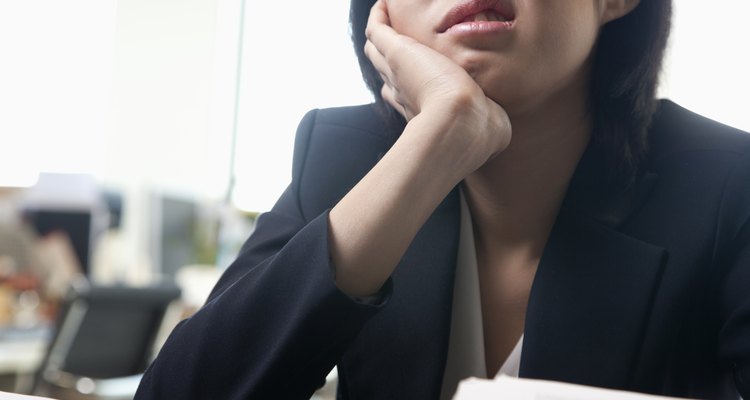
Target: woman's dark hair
[626,66]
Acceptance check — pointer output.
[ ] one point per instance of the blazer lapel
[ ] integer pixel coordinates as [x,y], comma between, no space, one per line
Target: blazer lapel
[589,305]
[592,293]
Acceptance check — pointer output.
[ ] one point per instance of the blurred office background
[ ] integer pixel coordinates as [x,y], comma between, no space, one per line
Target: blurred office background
[152,132]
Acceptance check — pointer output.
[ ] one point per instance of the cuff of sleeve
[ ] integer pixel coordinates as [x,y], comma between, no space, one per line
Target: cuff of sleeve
[375,300]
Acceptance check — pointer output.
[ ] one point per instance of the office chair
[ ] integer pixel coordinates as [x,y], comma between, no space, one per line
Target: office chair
[104,334]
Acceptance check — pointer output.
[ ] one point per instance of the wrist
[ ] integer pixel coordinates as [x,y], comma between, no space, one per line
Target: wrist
[446,145]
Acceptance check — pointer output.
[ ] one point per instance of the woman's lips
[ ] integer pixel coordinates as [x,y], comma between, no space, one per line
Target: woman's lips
[478,15]
[489,15]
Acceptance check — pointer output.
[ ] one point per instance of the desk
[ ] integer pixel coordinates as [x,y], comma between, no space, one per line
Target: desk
[21,352]
[21,356]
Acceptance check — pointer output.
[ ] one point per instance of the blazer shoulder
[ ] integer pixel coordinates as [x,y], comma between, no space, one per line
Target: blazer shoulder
[334,148]
[677,130]
[362,118]
[705,158]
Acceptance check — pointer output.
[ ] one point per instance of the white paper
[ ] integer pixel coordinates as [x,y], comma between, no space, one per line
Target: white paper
[531,389]
[14,396]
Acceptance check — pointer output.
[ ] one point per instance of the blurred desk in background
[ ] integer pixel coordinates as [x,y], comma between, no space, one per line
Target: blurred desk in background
[21,352]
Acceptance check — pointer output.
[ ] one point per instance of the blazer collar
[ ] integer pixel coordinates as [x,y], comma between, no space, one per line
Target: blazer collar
[590,192]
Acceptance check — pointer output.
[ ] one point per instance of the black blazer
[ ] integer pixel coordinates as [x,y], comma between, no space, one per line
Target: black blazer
[647,290]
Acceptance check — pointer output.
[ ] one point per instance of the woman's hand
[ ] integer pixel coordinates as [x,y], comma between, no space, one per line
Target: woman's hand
[421,82]
[453,130]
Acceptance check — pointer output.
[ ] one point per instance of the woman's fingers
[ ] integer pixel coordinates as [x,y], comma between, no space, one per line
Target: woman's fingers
[394,46]
[378,28]
[389,90]
[388,50]
[390,95]
[378,61]
[378,17]
[380,38]
[390,45]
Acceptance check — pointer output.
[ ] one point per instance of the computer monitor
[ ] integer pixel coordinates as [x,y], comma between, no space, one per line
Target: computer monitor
[174,221]
[75,223]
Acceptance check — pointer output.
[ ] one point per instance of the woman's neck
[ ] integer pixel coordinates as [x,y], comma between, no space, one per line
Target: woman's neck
[515,197]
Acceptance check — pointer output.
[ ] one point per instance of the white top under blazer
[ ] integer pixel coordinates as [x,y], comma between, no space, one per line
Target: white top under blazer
[466,343]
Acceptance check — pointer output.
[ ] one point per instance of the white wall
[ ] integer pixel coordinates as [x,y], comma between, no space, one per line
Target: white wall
[163,85]
[55,85]
[708,68]
[295,61]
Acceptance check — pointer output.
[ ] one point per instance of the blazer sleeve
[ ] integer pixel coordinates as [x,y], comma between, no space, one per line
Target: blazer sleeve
[275,324]
[735,290]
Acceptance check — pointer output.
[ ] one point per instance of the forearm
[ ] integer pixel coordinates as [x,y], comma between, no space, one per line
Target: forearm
[373,225]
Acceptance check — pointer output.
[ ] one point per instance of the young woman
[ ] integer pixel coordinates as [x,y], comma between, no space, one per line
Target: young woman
[517,202]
